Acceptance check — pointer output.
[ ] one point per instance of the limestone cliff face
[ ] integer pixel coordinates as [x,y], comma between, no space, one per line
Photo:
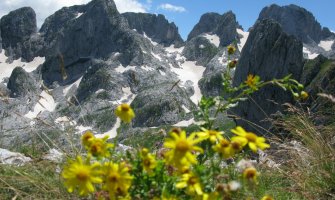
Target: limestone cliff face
[269,53]
[222,25]
[17,28]
[296,21]
[156,27]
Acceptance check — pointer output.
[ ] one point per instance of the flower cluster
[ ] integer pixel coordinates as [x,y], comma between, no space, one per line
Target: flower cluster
[189,164]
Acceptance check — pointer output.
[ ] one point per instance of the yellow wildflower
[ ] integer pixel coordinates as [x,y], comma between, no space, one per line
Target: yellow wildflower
[191,182]
[82,175]
[125,112]
[231,49]
[209,196]
[99,148]
[86,137]
[254,142]
[212,135]
[227,149]
[232,64]
[181,149]
[303,95]
[117,180]
[267,197]
[252,81]
[250,173]
[148,160]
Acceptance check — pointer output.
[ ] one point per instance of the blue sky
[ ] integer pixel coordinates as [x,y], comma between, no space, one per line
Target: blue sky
[246,11]
[185,13]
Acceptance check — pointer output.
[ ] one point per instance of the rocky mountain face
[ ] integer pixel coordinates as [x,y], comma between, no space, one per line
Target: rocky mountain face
[224,26]
[319,78]
[155,27]
[95,58]
[302,24]
[19,33]
[269,53]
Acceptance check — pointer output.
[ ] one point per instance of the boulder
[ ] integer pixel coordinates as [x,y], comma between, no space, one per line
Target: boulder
[22,84]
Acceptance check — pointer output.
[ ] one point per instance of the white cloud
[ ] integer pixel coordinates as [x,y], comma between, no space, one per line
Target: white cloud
[170,7]
[129,6]
[45,8]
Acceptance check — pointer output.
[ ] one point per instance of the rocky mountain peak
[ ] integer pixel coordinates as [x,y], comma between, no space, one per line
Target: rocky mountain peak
[269,53]
[222,25]
[296,21]
[157,27]
[97,32]
[16,29]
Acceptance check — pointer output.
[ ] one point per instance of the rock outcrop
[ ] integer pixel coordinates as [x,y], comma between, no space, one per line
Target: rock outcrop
[319,78]
[269,53]
[21,84]
[17,28]
[155,27]
[165,107]
[200,49]
[222,25]
[296,21]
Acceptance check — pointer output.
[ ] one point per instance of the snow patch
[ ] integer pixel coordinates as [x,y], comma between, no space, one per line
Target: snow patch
[147,68]
[173,49]
[79,14]
[152,42]
[128,96]
[185,109]
[121,69]
[310,54]
[111,133]
[185,123]
[82,129]
[190,71]
[99,91]
[156,56]
[244,38]
[67,88]
[214,39]
[7,68]
[326,44]
[162,73]
[45,103]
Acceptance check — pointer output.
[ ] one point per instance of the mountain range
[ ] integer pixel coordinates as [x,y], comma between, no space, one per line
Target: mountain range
[69,76]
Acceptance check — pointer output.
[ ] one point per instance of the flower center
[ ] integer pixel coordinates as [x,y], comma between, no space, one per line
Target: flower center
[147,162]
[182,146]
[251,137]
[96,148]
[82,175]
[192,181]
[236,145]
[125,107]
[113,178]
[224,143]
[250,173]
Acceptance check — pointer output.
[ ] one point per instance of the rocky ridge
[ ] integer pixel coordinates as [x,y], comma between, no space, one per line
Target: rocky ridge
[302,24]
